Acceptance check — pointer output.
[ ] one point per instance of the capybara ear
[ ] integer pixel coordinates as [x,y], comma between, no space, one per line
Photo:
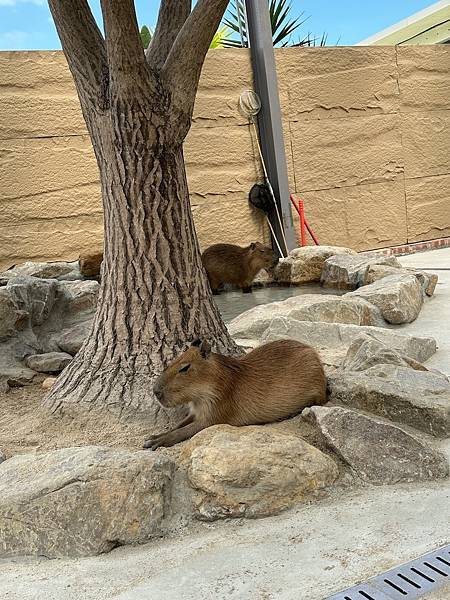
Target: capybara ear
[196,343]
[205,349]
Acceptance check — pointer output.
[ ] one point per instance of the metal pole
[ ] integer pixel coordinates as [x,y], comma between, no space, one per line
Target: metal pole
[259,35]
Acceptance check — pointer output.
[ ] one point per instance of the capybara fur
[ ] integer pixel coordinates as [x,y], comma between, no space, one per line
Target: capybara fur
[90,263]
[227,263]
[273,382]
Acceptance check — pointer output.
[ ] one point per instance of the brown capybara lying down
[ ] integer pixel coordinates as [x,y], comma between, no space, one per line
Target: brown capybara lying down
[273,382]
[226,263]
[90,263]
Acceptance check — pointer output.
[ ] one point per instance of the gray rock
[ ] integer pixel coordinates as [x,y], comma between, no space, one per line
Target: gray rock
[427,281]
[339,336]
[399,297]
[306,307]
[253,471]
[50,362]
[80,297]
[35,296]
[417,398]
[366,352]
[2,456]
[50,270]
[81,501]
[347,272]
[17,375]
[71,340]
[377,451]
[12,318]
[304,265]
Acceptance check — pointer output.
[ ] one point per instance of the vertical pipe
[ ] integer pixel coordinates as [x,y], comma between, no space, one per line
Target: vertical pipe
[259,35]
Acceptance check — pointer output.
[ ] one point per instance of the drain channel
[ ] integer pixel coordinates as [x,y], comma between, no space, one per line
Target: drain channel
[408,581]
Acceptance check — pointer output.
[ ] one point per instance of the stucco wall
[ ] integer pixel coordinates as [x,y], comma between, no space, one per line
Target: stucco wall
[366,132]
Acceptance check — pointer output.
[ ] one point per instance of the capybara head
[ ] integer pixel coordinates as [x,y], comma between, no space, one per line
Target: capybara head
[262,256]
[186,378]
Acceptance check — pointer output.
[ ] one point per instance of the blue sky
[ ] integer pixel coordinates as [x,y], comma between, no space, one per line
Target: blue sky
[27,24]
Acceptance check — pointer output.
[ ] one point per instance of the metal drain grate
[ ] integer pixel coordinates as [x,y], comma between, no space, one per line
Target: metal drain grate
[411,580]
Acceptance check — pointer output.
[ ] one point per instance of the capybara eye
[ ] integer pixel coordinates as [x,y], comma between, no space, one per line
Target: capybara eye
[184,369]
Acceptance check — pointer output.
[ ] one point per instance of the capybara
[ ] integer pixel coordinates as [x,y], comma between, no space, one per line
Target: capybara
[272,382]
[227,263]
[90,263]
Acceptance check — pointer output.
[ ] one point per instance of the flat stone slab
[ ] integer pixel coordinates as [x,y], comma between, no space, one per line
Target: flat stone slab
[348,272]
[81,501]
[306,307]
[253,471]
[50,362]
[417,398]
[337,336]
[377,451]
[428,281]
[399,297]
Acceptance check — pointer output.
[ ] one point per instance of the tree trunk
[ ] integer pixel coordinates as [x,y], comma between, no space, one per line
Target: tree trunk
[154,295]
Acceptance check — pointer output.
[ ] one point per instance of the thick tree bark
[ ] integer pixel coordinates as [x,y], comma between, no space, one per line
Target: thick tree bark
[154,295]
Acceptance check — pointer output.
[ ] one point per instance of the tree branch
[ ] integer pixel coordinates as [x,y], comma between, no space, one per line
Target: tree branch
[84,48]
[184,63]
[126,58]
[171,18]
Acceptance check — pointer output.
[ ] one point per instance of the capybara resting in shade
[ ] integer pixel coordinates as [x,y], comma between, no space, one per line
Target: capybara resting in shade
[273,382]
[90,263]
[226,263]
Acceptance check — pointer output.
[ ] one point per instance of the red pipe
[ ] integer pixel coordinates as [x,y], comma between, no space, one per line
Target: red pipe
[303,222]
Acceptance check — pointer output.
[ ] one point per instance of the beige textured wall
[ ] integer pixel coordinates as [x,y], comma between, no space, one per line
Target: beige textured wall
[366,132]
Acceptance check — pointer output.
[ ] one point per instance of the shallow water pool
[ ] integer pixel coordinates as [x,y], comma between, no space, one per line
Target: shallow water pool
[233,303]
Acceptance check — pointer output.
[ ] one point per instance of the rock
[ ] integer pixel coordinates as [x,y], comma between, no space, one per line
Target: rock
[347,272]
[263,278]
[90,263]
[366,352]
[12,318]
[428,281]
[339,337]
[81,501]
[80,296]
[416,398]
[16,375]
[304,265]
[377,451]
[50,270]
[35,296]
[253,471]
[2,456]
[48,382]
[50,362]
[399,297]
[71,340]
[306,307]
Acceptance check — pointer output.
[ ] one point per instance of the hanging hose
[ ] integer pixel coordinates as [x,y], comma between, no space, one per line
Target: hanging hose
[250,105]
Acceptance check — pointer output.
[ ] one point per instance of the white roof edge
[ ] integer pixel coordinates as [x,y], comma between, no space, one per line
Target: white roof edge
[405,22]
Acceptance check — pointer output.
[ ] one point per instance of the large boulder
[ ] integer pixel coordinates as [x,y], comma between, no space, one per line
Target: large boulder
[347,272]
[51,270]
[399,297]
[70,340]
[49,362]
[339,336]
[304,265]
[306,307]
[35,296]
[366,352]
[12,317]
[81,501]
[427,281]
[420,399]
[253,471]
[377,451]
[79,297]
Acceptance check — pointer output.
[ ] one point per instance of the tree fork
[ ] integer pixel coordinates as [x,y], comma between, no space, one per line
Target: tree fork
[154,296]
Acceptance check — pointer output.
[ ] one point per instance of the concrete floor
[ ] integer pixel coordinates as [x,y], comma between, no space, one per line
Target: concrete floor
[305,554]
